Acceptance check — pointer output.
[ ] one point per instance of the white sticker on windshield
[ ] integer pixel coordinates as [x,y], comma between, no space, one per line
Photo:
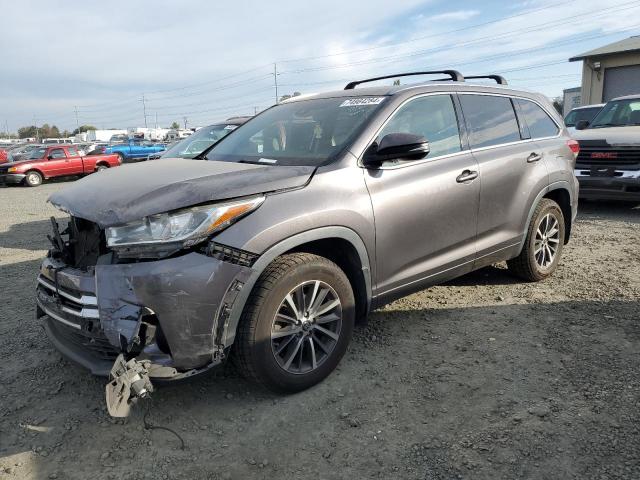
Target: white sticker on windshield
[267,160]
[352,102]
[230,127]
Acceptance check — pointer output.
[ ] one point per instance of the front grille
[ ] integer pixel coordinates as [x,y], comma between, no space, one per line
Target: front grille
[75,318]
[598,154]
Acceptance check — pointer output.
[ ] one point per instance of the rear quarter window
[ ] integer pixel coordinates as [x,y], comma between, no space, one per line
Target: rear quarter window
[539,122]
[490,119]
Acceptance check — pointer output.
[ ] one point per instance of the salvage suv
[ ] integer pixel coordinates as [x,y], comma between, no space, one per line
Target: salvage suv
[297,225]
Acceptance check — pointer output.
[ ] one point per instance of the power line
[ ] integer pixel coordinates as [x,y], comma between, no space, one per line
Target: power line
[444,48]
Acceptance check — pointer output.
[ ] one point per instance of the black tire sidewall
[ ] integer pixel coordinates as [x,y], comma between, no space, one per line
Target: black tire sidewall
[266,365]
[537,270]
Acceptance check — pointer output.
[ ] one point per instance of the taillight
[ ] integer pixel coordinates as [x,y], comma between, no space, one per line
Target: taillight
[574,146]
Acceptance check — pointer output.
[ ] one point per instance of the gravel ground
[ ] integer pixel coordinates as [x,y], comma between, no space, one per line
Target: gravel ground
[483,378]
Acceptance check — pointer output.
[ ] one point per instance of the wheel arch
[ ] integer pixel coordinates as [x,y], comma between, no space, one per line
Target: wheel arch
[339,244]
[559,192]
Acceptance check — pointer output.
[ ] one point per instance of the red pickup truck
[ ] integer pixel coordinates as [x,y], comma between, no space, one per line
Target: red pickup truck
[51,161]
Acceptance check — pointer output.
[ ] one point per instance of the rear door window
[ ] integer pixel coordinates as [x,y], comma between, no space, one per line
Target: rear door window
[539,122]
[490,119]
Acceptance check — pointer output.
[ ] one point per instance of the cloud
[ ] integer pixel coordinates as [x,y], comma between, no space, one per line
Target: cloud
[207,60]
[455,16]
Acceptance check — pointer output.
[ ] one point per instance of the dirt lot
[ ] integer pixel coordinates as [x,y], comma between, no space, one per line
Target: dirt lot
[484,378]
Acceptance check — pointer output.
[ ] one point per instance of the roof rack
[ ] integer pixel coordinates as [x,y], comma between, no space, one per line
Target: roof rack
[454,74]
[500,80]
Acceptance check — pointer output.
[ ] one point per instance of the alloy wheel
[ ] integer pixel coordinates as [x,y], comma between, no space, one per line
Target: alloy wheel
[306,327]
[547,240]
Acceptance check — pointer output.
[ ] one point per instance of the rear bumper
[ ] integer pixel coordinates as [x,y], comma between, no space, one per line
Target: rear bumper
[171,312]
[624,185]
[12,178]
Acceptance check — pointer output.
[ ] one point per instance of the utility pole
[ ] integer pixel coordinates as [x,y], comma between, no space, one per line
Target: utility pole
[156,120]
[77,122]
[144,110]
[6,128]
[255,110]
[185,122]
[275,79]
[35,123]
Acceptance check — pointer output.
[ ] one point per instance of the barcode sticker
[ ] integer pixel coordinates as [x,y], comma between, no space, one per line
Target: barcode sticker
[353,102]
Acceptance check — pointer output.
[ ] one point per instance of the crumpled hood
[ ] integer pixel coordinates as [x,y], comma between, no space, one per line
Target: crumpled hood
[612,135]
[131,192]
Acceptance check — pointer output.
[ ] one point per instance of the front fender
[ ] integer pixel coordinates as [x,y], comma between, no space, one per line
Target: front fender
[284,246]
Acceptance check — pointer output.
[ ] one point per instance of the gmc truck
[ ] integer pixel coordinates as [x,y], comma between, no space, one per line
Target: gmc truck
[54,161]
[608,166]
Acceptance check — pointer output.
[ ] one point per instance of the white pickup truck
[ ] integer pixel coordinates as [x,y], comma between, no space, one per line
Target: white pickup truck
[608,166]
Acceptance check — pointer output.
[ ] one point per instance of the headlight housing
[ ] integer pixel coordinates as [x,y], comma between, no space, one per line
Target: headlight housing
[180,228]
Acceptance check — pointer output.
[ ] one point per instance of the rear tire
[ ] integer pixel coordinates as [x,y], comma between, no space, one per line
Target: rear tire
[101,167]
[33,179]
[290,350]
[543,246]
[122,157]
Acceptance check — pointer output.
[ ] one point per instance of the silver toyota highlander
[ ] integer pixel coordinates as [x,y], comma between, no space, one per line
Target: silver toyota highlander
[270,245]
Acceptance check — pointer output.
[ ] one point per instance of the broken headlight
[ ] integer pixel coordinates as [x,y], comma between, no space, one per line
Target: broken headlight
[185,227]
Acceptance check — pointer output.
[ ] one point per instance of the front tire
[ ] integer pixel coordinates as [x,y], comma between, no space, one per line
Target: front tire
[33,179]
[543,246]
[297,323]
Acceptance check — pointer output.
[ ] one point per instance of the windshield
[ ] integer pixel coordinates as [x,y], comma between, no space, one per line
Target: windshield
[618,113]
[575,116]
[37,153]
[307,132]
[198,142]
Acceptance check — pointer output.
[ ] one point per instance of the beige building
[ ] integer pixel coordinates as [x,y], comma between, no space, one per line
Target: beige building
[610,71]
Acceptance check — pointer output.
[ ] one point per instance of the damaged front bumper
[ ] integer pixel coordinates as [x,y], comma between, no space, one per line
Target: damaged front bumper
[172,312]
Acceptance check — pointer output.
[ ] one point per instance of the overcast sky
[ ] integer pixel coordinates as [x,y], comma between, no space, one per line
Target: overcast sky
[206,60]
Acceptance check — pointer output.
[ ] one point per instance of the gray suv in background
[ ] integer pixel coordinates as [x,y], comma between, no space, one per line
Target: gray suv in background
[299,223]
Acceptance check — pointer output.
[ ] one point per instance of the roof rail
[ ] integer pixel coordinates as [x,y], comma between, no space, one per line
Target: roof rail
[500,80]
[454,74]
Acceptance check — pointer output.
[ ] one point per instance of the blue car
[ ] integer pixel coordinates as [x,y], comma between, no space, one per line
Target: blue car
[134,150]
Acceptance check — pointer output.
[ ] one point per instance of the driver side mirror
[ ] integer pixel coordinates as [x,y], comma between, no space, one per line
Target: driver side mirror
[395,146]
[582,124]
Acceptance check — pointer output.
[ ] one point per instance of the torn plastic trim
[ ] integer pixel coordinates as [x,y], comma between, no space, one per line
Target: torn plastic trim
[185,293]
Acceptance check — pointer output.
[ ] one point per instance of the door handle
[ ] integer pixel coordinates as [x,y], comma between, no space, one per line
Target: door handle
[534,157]
[467,176]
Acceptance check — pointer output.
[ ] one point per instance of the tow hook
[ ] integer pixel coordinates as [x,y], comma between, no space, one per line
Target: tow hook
[129,381]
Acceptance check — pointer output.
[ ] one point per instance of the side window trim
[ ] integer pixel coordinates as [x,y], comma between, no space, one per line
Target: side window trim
[462,123]
[462,132]
[525,134]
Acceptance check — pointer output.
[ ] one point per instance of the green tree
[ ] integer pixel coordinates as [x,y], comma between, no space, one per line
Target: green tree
[175,125]
[83,128]
[558,104]
[27,132]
